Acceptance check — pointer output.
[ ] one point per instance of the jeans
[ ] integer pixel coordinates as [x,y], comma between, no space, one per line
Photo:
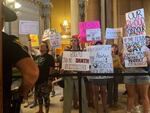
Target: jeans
[68,94]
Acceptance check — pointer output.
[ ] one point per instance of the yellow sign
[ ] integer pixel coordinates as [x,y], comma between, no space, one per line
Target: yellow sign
[34,40]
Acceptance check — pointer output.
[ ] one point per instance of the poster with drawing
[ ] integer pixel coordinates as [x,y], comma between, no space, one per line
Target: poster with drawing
[46,35]
[113,33]
[135,24]
[100,59]
[55,40]
[134,54]
[75,60]
[93,34]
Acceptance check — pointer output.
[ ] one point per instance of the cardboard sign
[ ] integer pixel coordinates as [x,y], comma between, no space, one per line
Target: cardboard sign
[87,25]
[93,34]
[134,54]
[46,35]
[34,40]
[135,24]
[75,60]
[100,59]
[55,40]
[113,33]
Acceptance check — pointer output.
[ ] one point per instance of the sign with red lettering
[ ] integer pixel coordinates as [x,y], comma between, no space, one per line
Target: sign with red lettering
[134,54]
[135,24]
[75,60]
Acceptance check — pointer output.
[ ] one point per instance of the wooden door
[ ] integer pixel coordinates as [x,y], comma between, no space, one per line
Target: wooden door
[1,84]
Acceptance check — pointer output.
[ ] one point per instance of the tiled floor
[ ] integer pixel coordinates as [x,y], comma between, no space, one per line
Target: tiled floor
[56,105]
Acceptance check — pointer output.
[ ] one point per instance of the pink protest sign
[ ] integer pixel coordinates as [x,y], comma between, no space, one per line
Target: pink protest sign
[83,26]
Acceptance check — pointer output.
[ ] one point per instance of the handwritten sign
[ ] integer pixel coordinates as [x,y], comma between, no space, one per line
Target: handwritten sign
[134,54]
[34,40]
[93,34]
[100,59]
[75,61]
[113,33]
[28,27]
[55,40]
[87,25]
[46,35]
[135,24]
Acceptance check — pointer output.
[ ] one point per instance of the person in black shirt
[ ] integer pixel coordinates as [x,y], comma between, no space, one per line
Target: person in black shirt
[43,86]
[15,55]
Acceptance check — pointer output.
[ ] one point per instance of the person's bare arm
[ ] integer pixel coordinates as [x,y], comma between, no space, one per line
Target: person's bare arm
[147,54]
[30,74]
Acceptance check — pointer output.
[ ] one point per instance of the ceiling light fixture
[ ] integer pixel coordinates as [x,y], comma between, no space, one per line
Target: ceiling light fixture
[17,5]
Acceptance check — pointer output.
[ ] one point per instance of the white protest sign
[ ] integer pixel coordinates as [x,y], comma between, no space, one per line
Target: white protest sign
[93,34]
[28,27]
[113,33]
[100,59]
[55,40]
[46,34]
[135,24]
[134,54]
[75,60]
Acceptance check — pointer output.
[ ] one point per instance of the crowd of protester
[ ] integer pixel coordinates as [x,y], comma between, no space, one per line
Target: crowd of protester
[100,88]
[93,89]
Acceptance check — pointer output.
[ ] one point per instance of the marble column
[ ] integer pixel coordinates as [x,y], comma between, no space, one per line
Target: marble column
[103,18]
[74,17]
[92,10]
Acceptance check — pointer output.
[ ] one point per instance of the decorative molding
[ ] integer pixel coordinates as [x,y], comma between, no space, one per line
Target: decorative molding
[82,9]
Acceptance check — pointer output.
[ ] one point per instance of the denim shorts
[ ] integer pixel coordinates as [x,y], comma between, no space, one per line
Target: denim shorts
[143,79]
[137,79]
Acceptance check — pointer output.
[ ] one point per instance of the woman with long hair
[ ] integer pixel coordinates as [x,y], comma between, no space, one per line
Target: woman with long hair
[118,68]
[137,85]
[43,86]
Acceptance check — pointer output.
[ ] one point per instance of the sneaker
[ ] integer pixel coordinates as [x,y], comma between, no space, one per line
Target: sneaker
[61,99]
[141,108]
[33,105]
[26,105]
[136,109]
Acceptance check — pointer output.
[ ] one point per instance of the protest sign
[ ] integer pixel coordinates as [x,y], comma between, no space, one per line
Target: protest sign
[134,54]
[55,40]
[100,59]
[75,60]
[83,26]
[135,24]
[93,34]
[46,35]
[113,33]
[34,40]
